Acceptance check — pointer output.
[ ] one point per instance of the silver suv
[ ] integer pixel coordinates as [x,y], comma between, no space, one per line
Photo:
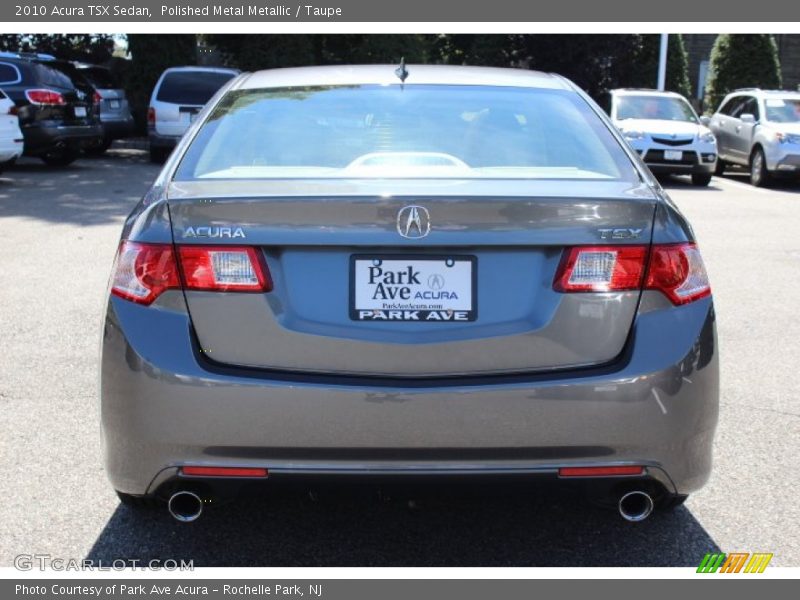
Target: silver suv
[759,129]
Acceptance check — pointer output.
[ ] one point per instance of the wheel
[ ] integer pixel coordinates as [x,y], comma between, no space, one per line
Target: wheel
[701,179]
[139,502]
[671,502]
[59,158]
[719,170]
[100,149]
[158,155]
[759,175]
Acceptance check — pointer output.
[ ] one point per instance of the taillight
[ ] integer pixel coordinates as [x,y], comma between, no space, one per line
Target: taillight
[47,97]
[224,268]
[678,271]
[151,116]
[143,271]
[96,98]
[14,110]
[601,269]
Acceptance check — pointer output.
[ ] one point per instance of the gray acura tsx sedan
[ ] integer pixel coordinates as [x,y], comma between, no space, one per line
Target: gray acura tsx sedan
[407,271]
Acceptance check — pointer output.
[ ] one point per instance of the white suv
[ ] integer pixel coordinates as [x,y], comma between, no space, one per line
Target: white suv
[666,132]
[10,135]
[760,130]
[179,95]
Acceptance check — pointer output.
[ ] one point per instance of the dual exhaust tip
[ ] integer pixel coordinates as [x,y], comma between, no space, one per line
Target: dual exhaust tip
[634,506]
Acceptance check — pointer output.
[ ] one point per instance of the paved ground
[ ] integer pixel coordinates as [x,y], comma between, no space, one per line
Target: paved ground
[59,230]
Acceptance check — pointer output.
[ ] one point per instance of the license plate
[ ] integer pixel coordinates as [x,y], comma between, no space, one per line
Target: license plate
[113,104]
[673,155]
[397,288]
[80,111]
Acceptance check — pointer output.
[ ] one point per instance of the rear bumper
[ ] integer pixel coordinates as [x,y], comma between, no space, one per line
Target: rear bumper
[40,139]
[166,142]
[117,128]
[163,407]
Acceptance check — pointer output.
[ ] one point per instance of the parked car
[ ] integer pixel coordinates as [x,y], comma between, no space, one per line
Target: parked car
[666,131]
[760,130]
[10,135]
[56,113]
[178,96]
[428,270]
[115,112]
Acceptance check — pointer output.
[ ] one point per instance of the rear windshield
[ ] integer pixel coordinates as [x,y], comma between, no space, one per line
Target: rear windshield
[404,131]
[100,78]
[661,108]
[51,76]
[191,87]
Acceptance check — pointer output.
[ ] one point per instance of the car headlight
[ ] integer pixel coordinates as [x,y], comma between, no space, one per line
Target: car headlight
[631,134]
[788,138]
[707,138]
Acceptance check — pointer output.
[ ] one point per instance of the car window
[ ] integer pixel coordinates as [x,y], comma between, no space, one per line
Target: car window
[647,106]
[100,78]
[191,87]
[49,76]
[732,105]
[782,110]
[405,131]
[9,74]
[2,95]
[749,107]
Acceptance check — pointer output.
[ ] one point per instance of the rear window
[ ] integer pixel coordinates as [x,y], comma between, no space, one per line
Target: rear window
[100,78]
[405,131]
[191,87]
[50,76]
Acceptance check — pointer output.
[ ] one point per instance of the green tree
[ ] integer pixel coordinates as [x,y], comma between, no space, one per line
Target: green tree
[741,60]
[644,72]
[89,47]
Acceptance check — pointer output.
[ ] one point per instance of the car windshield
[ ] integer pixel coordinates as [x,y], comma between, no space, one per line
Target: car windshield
[191,87]
[662,108]
[783,110]
[404,131]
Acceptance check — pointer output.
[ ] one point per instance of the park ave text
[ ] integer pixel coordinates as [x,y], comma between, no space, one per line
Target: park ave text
[281,11]
[144,590]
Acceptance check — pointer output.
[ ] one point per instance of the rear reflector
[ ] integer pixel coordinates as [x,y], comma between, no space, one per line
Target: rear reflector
[601,269]
[224,471]
[599,471]
[143,271]
[224,268]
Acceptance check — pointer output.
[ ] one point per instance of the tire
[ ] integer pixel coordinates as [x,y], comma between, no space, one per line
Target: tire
[759,174]
[158,155]
[59,158]
[99,150]
[719,170]
[137,502]
[701,179]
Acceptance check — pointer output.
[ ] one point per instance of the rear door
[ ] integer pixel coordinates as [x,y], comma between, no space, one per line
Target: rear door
[338,256]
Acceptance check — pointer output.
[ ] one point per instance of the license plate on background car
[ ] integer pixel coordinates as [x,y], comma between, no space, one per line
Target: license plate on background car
[673,155]
[80,111]
[113,104]
[398,288]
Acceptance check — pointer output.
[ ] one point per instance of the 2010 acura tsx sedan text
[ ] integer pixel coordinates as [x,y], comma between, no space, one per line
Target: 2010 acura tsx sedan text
[423,270]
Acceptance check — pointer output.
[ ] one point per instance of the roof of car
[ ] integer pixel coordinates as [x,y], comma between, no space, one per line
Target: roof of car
[201,68]
[758,91]
[385,75]
[645,92]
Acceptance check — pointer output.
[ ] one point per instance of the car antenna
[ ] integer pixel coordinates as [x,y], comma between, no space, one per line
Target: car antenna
[401,71]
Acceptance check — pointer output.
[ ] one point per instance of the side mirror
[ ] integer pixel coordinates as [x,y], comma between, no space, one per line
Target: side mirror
[705,120]
[747,118]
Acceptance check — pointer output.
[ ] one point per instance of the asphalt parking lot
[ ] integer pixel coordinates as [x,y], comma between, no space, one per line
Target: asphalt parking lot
[59,231]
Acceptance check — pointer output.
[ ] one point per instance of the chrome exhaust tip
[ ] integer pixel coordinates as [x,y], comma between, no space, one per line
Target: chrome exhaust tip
[185,506]
[635,506]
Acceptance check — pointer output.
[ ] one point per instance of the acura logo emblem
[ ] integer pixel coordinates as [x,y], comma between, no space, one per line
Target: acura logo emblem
[413,222]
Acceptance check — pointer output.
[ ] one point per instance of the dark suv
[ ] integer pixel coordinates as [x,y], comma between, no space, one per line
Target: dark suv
[57,112]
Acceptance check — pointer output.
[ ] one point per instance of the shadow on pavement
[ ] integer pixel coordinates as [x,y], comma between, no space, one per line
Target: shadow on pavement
[451,527]
[90,191]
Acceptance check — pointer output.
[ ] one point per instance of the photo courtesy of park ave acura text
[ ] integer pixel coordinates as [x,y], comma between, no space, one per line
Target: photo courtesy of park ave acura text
[398,299]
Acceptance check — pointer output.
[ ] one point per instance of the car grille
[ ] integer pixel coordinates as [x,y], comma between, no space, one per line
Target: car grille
[657,156]
[673,142]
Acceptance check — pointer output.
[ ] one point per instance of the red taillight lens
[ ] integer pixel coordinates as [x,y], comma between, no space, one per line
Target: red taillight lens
[600,471]
[97,98]
[601,269]
[225,471]
[143,271]
[224,268]
[151,116]
[48,97]
[13,110]
[678,271]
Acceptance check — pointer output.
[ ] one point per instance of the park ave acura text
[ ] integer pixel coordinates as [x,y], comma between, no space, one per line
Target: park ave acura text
[414,270]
